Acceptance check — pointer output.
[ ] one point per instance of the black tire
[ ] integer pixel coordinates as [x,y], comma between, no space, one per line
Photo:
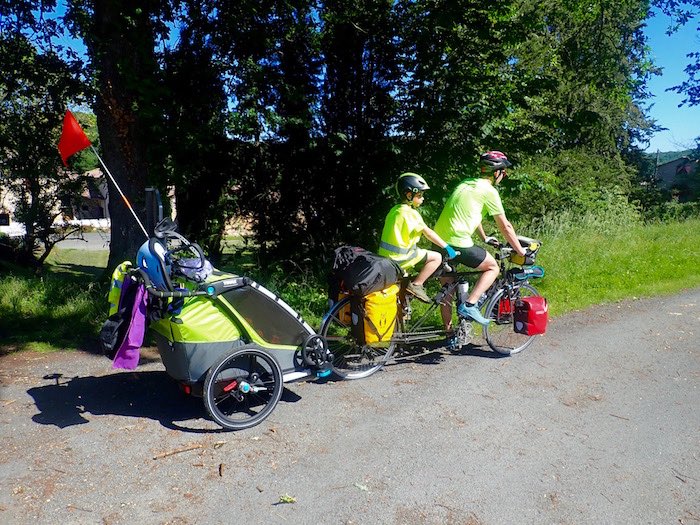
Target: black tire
[351,360]
[246,368]
[499,333]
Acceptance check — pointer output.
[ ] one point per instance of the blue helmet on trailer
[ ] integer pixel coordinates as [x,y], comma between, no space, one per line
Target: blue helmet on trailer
[151,258]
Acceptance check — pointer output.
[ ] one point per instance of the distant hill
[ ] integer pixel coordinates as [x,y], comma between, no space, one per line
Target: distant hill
[667,156]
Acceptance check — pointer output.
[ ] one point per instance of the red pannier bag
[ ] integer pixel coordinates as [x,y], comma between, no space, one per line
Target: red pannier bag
[531,315]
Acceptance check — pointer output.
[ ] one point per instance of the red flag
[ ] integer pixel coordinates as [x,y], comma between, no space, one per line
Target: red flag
[73,138]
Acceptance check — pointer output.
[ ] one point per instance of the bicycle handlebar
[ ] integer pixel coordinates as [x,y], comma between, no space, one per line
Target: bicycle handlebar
[211,289]
[504,250]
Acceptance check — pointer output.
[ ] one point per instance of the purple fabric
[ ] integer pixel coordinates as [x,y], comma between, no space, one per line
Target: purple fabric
[128,354]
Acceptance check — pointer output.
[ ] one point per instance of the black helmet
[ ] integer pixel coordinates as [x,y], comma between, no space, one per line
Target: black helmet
[493,161]
[410,182]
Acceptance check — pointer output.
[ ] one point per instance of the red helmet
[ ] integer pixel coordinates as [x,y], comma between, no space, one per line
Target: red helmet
[494,161]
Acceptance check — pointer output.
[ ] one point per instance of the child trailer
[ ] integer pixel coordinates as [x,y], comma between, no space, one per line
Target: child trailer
[222,336]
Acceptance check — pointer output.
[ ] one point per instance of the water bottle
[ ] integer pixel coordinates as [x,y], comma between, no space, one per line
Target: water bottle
[482,299]
[462,292]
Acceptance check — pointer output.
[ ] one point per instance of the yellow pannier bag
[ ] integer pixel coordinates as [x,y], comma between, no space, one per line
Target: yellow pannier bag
[380,315]
[344,315]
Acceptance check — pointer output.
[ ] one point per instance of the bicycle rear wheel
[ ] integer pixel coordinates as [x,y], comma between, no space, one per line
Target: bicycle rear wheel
[350,359]
[500,334]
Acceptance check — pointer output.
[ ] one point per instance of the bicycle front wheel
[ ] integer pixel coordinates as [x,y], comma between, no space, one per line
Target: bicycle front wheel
[350,359]
[500,333]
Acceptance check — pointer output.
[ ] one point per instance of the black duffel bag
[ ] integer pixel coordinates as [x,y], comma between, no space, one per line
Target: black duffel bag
[360,272]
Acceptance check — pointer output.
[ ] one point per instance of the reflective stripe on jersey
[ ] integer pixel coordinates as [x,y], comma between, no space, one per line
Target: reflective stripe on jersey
[395,249]
[403,228]
[115,291]
[416,256]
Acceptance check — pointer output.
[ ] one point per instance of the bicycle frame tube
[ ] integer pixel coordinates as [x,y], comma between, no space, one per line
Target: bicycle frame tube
[409,332]
[414,331]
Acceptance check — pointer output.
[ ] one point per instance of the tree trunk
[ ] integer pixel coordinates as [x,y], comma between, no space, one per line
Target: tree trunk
[122,155]
[121,49]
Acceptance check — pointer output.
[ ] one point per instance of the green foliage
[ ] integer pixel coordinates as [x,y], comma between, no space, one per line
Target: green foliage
[49,313]
[667,156]
[578,72]
[602,261]
[573,181]
[36,86]
[674,211]
[610,214]
[589,260]
[299,115]
[455,82]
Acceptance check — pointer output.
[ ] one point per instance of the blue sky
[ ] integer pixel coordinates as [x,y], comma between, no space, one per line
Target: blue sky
[670,52]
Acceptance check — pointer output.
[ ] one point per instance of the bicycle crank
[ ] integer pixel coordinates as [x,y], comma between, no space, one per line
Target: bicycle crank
[464,333]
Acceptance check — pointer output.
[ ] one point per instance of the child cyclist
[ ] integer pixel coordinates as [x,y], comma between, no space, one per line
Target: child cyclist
[403,228]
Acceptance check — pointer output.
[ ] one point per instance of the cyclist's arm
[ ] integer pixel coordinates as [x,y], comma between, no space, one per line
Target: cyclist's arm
[433,237]
[508,232]
[481,231]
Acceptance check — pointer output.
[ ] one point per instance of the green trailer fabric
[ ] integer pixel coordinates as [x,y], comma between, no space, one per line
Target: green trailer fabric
[202,319]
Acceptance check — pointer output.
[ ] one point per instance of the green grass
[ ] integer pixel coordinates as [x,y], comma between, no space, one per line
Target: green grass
[588,261]
[49,313]
[63,309]
[591,265]
[81,264]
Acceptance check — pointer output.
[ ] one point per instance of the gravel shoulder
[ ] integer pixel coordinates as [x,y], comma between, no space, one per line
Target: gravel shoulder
[597,422]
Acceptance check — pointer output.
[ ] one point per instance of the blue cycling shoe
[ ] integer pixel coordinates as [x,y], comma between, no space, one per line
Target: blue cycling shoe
[473,313]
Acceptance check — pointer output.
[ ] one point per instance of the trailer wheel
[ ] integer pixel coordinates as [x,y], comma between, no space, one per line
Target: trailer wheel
[243,387]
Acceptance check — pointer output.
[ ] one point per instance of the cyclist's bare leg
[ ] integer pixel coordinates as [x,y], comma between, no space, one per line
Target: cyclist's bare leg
[432,263]
[446,306]
[490,270]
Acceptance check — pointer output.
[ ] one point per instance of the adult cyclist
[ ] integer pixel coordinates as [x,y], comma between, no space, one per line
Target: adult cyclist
[474,198]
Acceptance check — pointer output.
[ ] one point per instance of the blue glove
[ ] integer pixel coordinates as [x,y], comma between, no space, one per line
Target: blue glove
[451,253]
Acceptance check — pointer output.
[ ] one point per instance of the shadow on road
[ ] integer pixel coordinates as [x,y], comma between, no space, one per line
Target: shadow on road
[478,351]
[153,394]
[432,354]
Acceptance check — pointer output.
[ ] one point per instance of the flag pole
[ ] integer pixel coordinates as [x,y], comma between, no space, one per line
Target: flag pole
[126,201]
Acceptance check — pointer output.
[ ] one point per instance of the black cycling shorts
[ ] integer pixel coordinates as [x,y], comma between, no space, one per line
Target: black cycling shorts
[471,257]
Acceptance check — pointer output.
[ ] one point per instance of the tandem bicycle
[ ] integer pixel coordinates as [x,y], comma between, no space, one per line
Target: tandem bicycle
[353,360]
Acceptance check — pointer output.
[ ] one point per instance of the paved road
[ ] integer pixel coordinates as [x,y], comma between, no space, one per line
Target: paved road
[91,241]
[598,422]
